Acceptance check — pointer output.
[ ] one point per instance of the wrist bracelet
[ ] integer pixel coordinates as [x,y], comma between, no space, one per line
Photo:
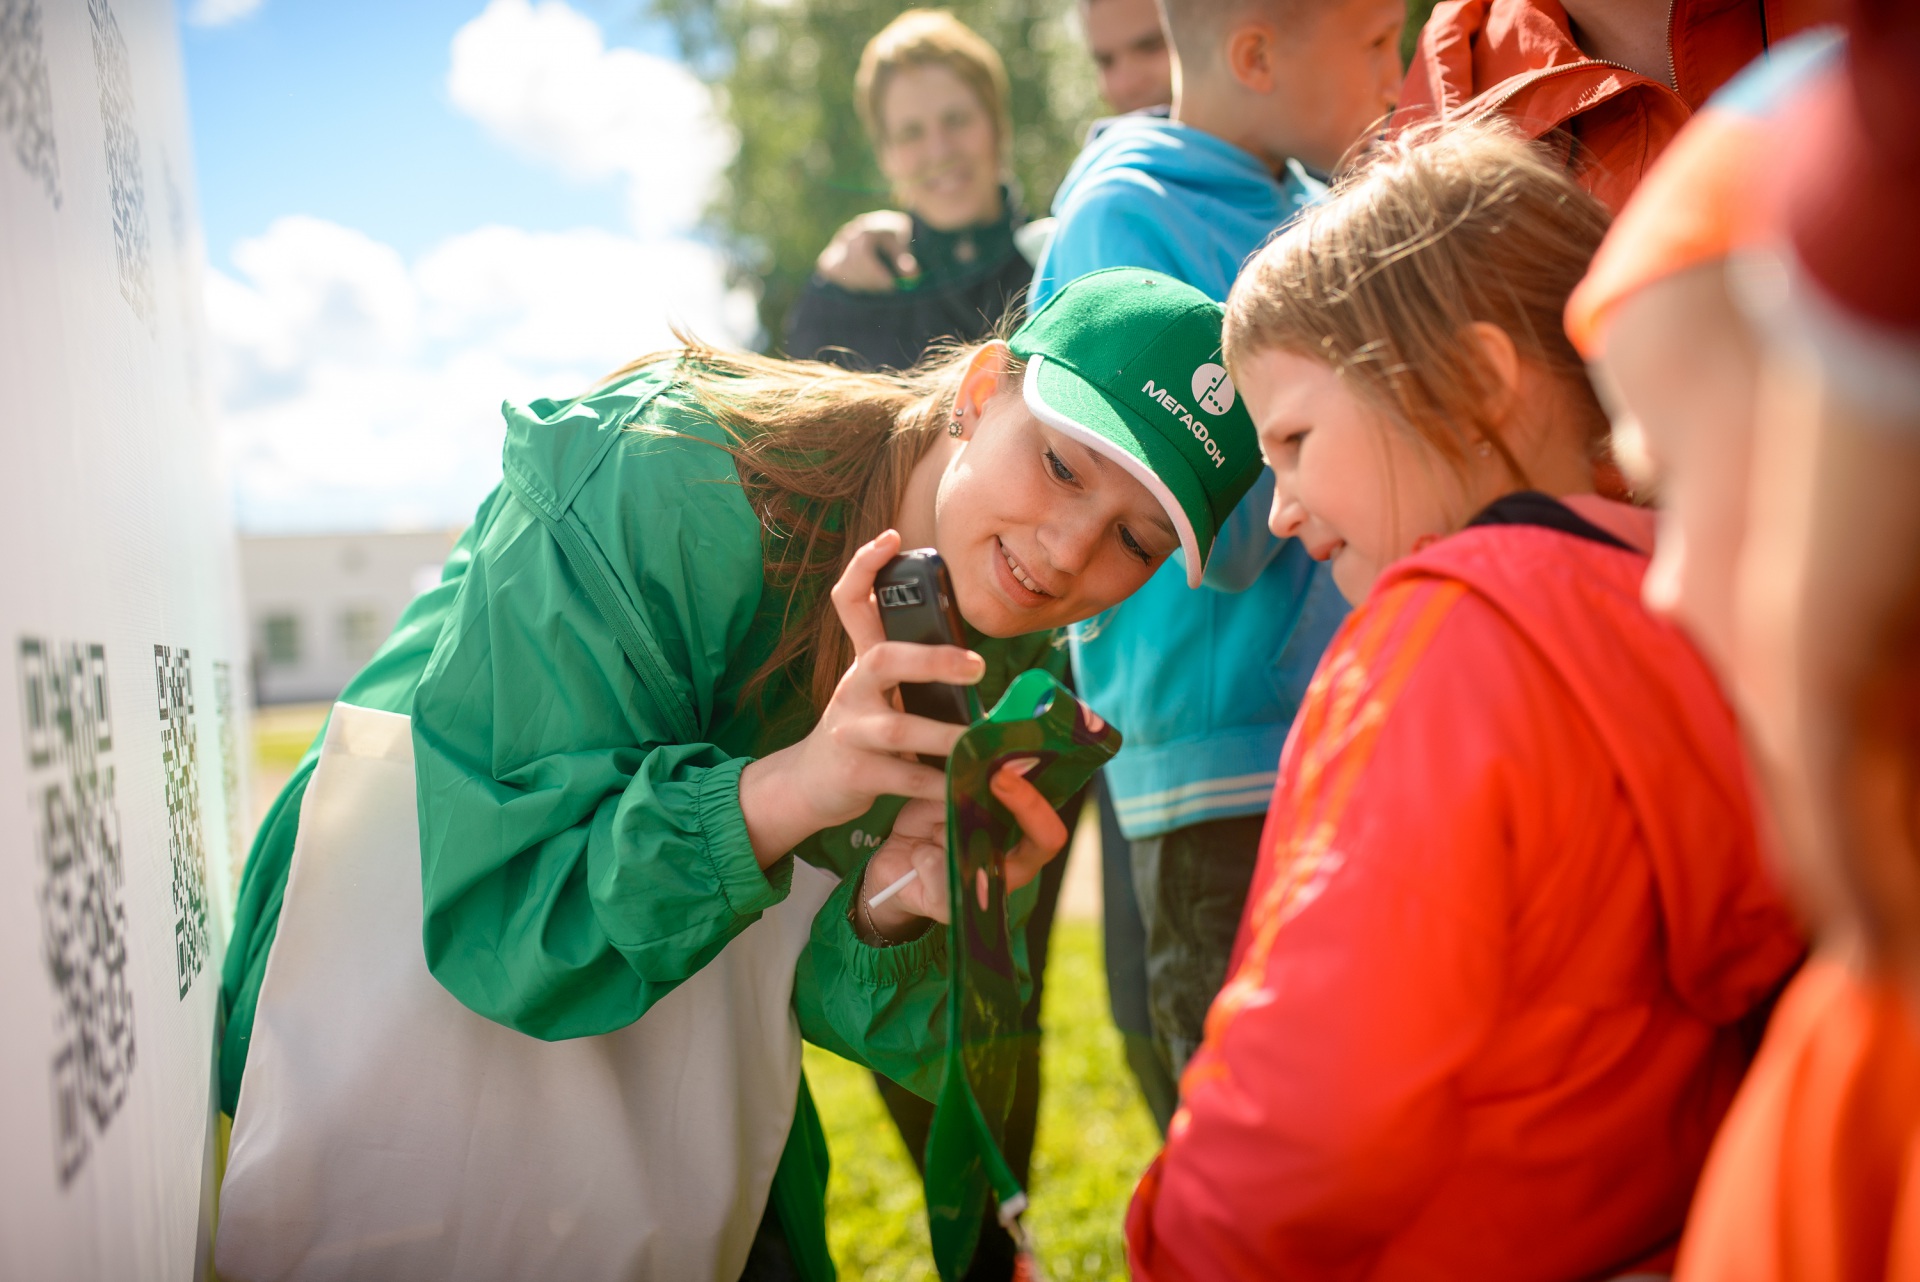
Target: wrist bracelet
[866,911]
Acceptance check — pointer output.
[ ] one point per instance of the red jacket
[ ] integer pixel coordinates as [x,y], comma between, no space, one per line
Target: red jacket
[1518,57]
[1482,1016]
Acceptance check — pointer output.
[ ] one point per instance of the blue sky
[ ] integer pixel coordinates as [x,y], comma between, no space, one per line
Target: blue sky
[338,108]
[415,209]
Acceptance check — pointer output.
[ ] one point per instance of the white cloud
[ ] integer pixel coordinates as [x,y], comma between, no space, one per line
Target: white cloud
[218,13]
[361,391]
[541,79]
[316,294]
[582,295]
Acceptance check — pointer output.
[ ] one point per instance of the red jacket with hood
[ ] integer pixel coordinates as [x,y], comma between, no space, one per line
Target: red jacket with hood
[1518,57]
[1485,1008]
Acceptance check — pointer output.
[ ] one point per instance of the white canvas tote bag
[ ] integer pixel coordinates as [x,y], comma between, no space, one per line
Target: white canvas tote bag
[385,1131]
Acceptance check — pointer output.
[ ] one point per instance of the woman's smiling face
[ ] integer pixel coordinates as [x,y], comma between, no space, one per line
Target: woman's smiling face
[1038,530]
[938,148]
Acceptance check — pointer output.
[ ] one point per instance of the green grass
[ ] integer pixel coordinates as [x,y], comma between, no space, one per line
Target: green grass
[283,732]
[1095,1138]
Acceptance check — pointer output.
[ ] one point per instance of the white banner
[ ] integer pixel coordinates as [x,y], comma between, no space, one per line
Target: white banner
[122,711]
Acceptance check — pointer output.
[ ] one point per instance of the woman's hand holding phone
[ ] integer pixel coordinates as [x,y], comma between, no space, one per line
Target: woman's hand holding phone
[865,747]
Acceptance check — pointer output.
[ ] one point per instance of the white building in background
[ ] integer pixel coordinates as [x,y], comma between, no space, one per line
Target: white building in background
[319,605]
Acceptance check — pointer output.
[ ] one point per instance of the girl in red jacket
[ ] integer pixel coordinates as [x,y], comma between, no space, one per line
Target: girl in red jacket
[1493,988]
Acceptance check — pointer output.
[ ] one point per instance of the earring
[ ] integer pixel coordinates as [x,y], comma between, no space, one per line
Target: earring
[953,428]
[1485,449]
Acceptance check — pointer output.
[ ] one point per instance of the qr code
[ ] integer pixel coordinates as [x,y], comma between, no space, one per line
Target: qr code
[179,757]
[67,723]
[126,184]
[230,768]
[26,97]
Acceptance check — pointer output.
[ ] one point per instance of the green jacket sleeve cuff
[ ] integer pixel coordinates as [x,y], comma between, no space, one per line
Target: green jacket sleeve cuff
[882,1007]
[900,966]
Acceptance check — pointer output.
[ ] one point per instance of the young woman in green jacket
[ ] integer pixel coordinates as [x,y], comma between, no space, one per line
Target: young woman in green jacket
[653,675]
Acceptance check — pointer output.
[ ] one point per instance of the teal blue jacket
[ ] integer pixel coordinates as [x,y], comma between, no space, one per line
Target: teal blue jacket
[1204,682]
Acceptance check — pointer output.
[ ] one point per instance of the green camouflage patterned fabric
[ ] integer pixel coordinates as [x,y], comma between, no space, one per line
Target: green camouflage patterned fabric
[1039,720]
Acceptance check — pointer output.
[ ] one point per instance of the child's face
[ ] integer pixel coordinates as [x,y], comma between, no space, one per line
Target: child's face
[1358,491]
[1129,52]
[1679,377]
[1335,78]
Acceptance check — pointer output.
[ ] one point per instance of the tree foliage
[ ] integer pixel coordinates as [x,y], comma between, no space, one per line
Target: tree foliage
[784,71]
[1417,11]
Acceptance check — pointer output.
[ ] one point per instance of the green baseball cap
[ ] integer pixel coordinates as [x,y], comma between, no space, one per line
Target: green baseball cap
[1127,362]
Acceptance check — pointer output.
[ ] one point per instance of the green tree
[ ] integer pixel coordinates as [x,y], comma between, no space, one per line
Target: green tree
[1417,11]
[784,69]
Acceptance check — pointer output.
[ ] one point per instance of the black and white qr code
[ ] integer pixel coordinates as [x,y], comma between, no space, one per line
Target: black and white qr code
[26,94]
[180,760]
[126,181]
[67,724]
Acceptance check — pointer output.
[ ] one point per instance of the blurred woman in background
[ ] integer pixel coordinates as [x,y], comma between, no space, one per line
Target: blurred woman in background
[933,97]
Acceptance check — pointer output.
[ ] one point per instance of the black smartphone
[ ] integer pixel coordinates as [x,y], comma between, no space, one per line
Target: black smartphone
[916,604]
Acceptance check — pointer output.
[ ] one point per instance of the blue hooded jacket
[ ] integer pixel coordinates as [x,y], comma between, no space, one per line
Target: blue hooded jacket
[1203,683]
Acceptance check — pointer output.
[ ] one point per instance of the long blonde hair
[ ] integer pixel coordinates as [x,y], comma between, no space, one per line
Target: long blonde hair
[824,455]
[1435,230]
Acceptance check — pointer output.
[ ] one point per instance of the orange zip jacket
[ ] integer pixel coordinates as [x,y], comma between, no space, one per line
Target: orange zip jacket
[1816,1177]
[1485,1008]
[1518,57]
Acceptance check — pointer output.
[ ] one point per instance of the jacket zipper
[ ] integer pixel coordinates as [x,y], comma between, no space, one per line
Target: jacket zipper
[1673,70]
[1548,73]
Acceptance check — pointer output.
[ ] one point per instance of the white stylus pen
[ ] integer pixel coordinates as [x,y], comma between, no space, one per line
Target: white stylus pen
[906,879]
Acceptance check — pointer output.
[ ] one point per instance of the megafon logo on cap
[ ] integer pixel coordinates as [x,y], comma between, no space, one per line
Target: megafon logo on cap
[1212,389]
[1214,392]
